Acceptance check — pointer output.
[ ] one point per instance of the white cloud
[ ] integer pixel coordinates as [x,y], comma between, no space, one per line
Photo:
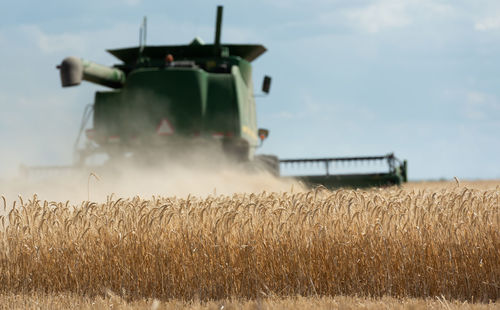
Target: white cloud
[488,23]
[29,39]
[32,37]
[481,106]
[54,43]
[133,2]
[379,15]
[383,14]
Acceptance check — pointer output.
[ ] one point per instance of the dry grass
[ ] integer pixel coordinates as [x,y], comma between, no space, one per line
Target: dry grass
[452,184]
[110,301]
[392,242]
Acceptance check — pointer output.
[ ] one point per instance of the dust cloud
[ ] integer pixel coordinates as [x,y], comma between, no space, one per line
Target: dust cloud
[125,180]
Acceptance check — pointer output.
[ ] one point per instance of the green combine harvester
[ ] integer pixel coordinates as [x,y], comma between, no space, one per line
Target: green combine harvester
[171,100]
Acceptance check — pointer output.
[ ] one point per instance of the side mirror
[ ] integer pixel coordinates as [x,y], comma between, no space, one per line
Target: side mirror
[263,134]
[266,84]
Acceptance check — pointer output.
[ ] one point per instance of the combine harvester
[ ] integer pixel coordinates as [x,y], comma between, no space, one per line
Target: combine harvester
[169,101]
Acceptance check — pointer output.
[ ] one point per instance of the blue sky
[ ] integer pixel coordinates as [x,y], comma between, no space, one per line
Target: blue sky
[418,77]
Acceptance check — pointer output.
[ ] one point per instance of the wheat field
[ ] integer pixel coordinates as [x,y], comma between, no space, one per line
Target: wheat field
[394,242]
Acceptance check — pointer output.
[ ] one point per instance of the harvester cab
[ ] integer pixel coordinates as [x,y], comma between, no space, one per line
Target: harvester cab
[171,100]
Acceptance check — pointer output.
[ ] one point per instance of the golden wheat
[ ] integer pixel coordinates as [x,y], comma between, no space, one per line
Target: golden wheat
[110,300]
[384,242]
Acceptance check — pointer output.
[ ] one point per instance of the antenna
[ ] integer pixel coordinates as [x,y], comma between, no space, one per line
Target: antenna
[218,25]
[142,34]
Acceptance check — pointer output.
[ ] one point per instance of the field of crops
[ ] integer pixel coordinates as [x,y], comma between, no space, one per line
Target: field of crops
[400,242]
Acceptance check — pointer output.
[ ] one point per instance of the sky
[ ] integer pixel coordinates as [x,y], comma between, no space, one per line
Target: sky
[419,78]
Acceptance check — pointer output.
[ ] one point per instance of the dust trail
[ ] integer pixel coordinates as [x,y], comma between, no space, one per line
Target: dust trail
[128,181]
